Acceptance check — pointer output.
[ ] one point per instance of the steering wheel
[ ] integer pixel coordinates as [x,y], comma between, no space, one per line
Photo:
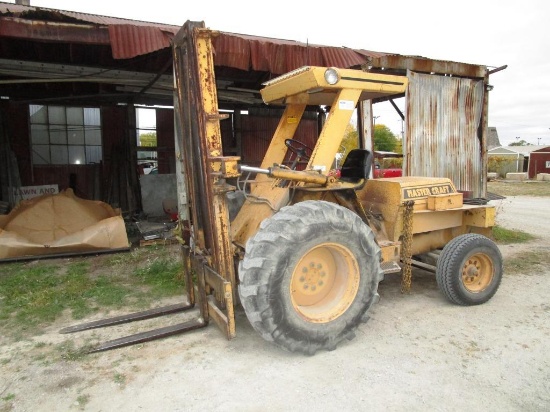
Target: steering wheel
[301,150]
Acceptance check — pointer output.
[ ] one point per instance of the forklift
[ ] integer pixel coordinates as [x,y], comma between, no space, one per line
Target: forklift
[305,252]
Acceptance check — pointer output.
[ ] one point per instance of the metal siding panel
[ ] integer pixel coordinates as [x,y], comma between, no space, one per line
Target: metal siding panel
[341,57]
[16,122]
[130,38]
[256,136]
[84,178]
[114,129]
[278,56]
[425,65]
[286,58]
[128,41]
[231,51]
[30,12]
[257,132]
[442,121]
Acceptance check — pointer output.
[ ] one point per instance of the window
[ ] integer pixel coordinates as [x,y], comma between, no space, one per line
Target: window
[65,135]
[147,139]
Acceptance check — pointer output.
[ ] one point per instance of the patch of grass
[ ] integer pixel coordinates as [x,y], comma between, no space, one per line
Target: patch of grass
[163,275]
[506,236]
[8,397]
[108,293]
[529,262]
[34,294]
[69,352]
[137,256]
[529,188]
[82,400]
[39,293]
[39,357]
[120,379]
[30,295]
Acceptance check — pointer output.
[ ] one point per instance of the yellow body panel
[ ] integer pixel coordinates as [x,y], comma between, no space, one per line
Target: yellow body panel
[309,84]
[298,89]
[480,216]
[438,214]
[445,201]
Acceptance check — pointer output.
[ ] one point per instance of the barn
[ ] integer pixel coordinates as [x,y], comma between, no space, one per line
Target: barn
[539,162]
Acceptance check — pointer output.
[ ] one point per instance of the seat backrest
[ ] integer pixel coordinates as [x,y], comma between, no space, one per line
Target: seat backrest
[357,165]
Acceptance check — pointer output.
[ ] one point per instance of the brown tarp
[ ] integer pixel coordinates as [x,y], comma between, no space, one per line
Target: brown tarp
[60,224]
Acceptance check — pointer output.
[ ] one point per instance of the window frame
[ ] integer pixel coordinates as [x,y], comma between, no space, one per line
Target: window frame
[65,135]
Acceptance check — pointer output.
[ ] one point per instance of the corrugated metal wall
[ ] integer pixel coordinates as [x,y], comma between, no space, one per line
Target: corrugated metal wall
[16,127]
[85,180]
[257,132]
[442,122]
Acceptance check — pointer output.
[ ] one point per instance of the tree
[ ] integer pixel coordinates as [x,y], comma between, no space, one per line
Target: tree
[384,139]
[148,139]
[350,140]
[519,143]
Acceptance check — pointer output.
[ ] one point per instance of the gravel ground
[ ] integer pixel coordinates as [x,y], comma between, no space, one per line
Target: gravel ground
[418,352]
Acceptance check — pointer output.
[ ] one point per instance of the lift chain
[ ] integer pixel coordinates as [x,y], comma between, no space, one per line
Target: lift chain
[406,247]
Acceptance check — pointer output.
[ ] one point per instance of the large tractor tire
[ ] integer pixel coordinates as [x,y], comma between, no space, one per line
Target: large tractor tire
[469,269]
[309,276]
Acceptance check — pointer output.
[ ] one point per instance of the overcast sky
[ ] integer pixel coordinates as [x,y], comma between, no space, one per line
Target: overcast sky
[514,33]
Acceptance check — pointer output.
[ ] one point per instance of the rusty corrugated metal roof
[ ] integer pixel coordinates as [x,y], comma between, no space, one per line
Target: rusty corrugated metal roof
[425,65]
[371,53]
[129,41]
[16,10]
[128,38]
[131,38]
[278,56]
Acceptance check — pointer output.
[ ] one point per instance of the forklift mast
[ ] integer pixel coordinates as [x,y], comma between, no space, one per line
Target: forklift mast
[210,254]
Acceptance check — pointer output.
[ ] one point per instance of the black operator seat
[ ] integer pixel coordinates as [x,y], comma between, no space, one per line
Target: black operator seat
[357,166]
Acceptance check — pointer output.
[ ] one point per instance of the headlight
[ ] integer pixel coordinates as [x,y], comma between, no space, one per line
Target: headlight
[332,76]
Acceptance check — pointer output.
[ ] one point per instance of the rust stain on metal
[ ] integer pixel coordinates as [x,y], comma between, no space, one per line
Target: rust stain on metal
[443,119]
[425,65]
[53,31]
[130,38]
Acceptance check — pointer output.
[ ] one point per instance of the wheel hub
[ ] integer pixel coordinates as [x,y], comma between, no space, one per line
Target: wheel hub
[324,282]
[477,272]
[313,278]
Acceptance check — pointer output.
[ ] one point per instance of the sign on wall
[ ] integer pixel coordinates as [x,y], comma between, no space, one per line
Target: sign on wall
[28,192]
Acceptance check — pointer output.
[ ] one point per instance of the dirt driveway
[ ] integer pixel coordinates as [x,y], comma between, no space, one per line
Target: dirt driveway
[417,353]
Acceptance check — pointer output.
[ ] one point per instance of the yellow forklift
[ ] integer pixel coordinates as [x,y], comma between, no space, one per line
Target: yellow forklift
[307,249]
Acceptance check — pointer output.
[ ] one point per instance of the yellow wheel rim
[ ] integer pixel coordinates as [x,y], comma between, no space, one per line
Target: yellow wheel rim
[324,283]
[477,272]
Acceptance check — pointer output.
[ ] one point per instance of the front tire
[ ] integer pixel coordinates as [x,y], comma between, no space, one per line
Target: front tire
[309,276]
[469,269]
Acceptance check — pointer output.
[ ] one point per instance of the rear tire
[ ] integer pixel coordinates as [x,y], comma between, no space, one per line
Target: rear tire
[469,269]
[309,276]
